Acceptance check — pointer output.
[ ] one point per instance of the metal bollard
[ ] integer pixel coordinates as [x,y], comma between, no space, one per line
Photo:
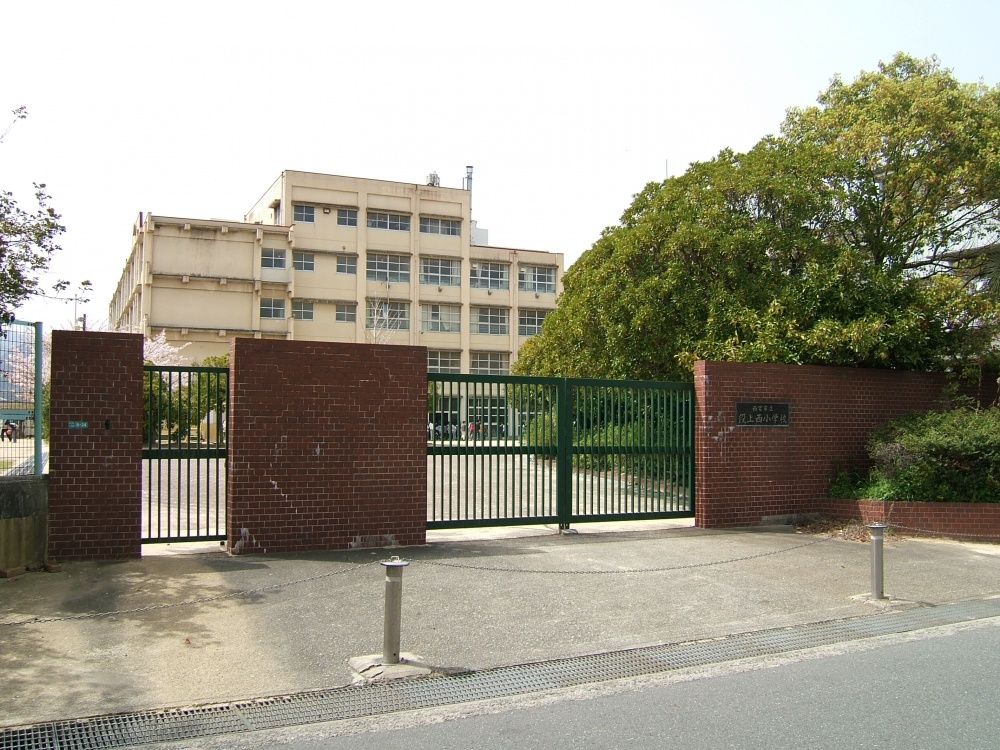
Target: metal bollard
[393,605]
[875,529]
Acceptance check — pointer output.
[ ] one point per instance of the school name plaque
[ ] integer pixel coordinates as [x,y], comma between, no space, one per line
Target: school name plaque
[755,414]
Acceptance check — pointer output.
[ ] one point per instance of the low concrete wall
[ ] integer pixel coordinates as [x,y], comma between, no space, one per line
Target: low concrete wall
[24,517]
[961,520]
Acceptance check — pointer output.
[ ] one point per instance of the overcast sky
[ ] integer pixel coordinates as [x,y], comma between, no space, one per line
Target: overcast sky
[565,109]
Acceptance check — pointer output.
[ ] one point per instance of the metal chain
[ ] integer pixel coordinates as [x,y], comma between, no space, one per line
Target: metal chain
[622,571]
[202,600]
[944,533]
[273,587]
[537,571]
[892,507]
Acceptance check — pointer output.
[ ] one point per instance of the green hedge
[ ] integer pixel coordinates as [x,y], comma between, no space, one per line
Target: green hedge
[541,435]
[949,456]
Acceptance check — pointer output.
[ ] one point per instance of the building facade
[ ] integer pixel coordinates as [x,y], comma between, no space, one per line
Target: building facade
[330,258]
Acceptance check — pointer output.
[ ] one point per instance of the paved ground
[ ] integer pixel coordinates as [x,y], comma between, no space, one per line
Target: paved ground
[180,628]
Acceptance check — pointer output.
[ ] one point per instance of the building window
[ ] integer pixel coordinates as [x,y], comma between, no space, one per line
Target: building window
[346,313]
[440,226]
[386,315]
[272,258]
[398,222]
[489,276]
[536,279]
[305,214]
[272,308]
[489,363]
[492,320]
[303,261]
[438,272]
[529,322]
[443,412]
[444,361]
[347,217]
[441,318]
[347,264]
[302,310]
[389,268]
[489,415]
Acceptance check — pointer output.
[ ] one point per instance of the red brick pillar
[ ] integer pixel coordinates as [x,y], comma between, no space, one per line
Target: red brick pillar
[327,446]
[95,446]
[748,475]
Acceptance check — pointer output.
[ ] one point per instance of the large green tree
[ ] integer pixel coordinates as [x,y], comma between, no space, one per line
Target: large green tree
[829,243]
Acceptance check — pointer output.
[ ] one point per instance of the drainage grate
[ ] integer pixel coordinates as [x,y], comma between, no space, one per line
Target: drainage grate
[126,730]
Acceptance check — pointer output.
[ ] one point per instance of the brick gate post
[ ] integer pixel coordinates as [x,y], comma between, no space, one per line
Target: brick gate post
[327,446]
[95,446]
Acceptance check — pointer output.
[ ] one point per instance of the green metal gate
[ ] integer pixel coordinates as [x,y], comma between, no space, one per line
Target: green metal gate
[505,450]
[184,453]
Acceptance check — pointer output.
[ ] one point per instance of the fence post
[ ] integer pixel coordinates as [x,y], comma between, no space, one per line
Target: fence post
[875,529]
[39,360]
[564,455]
[393,608]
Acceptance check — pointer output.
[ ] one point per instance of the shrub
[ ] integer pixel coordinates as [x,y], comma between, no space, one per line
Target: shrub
[540,433]
[948,456]
[630,437]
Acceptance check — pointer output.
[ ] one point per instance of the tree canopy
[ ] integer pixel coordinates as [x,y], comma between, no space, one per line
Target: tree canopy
[27,241]
[833,242]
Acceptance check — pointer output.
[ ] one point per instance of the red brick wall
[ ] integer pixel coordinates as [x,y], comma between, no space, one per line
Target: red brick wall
[95,473]
[327,446]
[973,520]
[747,474]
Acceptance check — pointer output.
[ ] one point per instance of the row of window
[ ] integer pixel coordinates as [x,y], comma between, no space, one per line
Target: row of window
[441,272]
[274,258]
[274,309]
[348,217]
[480,363]
[450,227]
[396,222]
[393,315]
[433,271]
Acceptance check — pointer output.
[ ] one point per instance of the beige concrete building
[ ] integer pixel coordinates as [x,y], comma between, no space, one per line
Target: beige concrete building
[329,258]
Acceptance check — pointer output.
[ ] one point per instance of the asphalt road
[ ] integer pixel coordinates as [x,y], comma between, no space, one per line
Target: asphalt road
[935,688]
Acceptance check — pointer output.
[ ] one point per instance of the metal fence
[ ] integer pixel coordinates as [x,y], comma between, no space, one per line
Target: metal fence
[506,450]
[184,453]
[501,450]
[22,449]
